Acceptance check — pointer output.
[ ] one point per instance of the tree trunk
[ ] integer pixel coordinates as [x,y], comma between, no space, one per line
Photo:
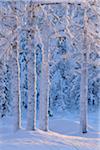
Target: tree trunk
[44,86]
[15,86]
[44,98]
[31,68]
[84,88]
[31,114]
[2,89]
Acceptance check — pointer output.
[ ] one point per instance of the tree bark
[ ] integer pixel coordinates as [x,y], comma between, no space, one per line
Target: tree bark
[15,86]
[44,86]
[31,114]
[84,87]
[44,98]
[31,67]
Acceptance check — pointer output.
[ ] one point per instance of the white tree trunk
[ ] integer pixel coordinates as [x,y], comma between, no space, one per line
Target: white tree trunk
[84,88]
[15,86]
[44,86]
[31,114]
[44,98]
[31,67]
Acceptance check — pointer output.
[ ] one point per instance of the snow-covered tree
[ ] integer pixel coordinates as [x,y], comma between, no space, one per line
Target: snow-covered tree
[89,36]
[14,64]
[31,68]
[84,88]
[44,86]
[59,37]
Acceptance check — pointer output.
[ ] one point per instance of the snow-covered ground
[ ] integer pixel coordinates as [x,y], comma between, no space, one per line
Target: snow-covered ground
[64,134]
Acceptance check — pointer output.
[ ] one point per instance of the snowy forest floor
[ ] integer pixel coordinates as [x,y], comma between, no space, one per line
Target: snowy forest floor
[63,135]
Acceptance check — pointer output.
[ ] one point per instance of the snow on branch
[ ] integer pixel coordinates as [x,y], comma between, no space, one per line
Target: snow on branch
[49,1]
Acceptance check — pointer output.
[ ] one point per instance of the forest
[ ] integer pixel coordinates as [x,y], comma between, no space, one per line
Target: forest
[49,74]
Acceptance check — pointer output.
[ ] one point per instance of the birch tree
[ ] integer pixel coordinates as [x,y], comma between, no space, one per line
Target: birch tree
[8,18]
[44,87]
[84,88]
[15,86]
[31,62]
[45,36]
[15,77]
[89,37]
[31,112]
[44,82]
